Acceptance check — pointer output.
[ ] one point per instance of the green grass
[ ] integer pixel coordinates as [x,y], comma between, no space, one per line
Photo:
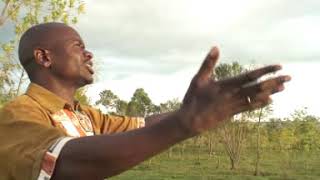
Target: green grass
[195,164]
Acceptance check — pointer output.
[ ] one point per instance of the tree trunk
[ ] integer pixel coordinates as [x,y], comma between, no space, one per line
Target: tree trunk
[20,83]
[233,164]
[257,168]
[182,150]
[210,145]
[3,16]
[170,152]
[218,163]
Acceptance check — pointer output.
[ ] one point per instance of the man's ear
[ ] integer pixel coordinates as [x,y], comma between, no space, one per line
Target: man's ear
[42,58]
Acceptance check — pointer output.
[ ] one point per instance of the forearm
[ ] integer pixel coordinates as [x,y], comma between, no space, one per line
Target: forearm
[102,156]
[154,119]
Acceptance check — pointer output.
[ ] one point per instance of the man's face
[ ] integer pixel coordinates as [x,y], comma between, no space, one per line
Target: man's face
[71,62]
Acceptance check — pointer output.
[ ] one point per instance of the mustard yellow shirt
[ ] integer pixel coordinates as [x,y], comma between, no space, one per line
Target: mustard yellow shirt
[29,126]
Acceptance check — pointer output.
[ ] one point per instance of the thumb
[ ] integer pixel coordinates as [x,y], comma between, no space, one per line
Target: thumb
[208,64]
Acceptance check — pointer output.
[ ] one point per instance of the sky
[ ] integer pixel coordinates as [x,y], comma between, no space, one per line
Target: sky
[159,45]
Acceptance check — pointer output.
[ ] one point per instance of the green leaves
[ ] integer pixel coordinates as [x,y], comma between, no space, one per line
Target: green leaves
[74,20]
[226,70]
[8,47]
[111,101]
[170,105]
[81,9]
[81,96]
[71,3]
[107,98]
[140,104]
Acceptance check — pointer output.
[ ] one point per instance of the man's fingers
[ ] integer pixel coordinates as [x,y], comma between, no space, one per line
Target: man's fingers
[259,101]
[208,64]
[258,95]
[250,76]
[273,85]
[204,73]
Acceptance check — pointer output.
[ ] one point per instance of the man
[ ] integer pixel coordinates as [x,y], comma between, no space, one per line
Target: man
[46,134]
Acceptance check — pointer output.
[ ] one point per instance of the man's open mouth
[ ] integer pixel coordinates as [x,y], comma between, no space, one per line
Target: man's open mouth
[90,69]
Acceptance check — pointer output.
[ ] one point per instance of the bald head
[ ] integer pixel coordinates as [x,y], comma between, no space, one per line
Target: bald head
[55,52]
[42,36]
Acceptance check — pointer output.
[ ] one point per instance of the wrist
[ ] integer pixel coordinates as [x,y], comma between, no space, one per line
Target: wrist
[184,123]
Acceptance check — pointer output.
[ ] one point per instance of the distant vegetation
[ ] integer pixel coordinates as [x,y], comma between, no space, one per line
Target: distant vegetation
[251,144]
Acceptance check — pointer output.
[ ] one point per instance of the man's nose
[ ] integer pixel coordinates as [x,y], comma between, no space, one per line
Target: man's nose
[88,55]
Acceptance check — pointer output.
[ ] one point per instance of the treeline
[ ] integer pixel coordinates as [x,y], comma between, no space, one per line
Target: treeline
[140,104]
[255,131]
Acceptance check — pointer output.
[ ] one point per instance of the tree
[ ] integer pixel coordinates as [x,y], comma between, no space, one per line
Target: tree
[20,15]
[121,107]
[273,128]
[140,104]
[225,70]
[170,105]
[81,96]
[107,99]
[112,102]
[232,134]
[306,130]
[260,114]
[7,68]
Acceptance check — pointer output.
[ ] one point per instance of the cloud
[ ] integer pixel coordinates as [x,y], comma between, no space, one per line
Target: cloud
[159,87]
[293,39]
[301,91]
[150,31]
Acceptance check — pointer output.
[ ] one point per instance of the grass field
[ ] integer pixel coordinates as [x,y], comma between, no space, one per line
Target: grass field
[198,164]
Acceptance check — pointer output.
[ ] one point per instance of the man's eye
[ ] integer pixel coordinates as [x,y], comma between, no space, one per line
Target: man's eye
[80,45]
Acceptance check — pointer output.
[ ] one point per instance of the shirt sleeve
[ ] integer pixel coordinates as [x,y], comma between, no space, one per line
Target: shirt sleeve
[50,157]
[115,124]
[25,139]
[109,124]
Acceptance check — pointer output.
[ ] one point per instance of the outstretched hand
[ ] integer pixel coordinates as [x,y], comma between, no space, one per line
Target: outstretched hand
[209,102]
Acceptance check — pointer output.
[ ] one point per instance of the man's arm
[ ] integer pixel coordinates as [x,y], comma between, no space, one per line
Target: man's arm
[97,157]
[154,119]
[207,103]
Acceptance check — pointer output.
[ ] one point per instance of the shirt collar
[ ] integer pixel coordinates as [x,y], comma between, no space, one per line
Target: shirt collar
[46,98]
